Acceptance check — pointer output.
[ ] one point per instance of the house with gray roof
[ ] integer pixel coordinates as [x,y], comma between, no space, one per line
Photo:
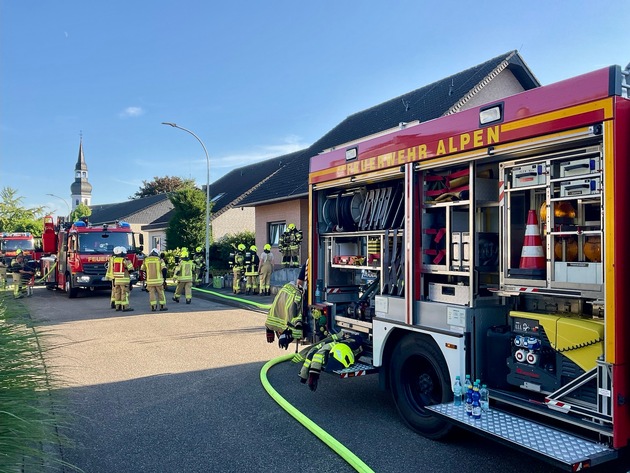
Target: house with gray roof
[283,199]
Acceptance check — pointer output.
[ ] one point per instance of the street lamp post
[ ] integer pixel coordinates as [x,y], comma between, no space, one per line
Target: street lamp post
[64,201]
[174,125]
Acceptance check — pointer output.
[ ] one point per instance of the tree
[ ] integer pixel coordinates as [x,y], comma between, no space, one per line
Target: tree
[81,210]
[14,217]
[162,185]
[186,229]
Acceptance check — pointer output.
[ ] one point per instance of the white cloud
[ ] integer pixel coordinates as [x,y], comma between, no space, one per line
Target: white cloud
[131,112]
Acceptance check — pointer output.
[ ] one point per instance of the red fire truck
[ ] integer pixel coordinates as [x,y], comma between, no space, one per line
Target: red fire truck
[76,254]
[11,242]
[492,243]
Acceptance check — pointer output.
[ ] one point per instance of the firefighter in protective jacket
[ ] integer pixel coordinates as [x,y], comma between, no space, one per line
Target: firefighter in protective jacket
[251,262]
[237,263]
[289,246]
[155,270]
[285,316]
[121,269]
[184,274]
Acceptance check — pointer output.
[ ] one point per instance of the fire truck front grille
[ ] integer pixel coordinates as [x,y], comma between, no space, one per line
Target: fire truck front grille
[94,269]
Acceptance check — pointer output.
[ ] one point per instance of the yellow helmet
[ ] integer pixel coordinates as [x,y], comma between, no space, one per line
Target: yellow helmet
[267,247]
[291,226]
[241,247]
[198,249]
[339,357]
[253,248]
[184,253]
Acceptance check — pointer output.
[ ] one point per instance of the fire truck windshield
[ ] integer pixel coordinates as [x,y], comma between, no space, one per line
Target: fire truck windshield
[104,242]
[12,245]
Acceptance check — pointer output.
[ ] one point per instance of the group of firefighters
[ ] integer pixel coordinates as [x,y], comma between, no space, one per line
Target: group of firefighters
[119,269]
[255,268]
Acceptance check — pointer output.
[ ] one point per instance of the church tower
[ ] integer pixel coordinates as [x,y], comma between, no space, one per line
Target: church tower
[81,189]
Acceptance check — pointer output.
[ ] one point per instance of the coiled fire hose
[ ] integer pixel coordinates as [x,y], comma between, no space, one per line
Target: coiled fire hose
[316,430]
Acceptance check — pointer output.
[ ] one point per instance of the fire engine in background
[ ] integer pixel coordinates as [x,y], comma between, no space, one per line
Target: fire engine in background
[11,242]
[492,242]
[76,254]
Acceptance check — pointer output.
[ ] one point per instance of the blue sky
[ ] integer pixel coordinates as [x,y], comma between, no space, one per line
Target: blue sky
[253,79]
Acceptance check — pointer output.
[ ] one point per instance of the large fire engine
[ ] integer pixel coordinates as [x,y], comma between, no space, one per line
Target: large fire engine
[76,254]
[11,242]
[492,242]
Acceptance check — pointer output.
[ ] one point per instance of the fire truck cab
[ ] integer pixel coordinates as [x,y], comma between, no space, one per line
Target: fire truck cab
[76,254]
[11,242]
[490,243]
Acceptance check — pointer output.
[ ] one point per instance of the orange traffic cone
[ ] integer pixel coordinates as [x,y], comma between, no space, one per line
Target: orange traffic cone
[532,256]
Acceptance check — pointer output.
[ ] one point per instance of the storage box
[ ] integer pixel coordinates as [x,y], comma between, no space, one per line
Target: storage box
[451,293]
[579,273]
[580,187]
[579,167]
[530,175]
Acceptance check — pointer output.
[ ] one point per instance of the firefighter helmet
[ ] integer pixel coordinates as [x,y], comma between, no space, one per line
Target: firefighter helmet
[198,249]
[291,226]
[18,252]
[241,247]
[154,252]
[340,357]
[119,250]
[267,247]
[253,248]
[184,253]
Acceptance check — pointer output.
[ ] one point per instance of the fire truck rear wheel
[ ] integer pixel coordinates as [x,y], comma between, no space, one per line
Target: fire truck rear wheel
[418,378]
[70,290]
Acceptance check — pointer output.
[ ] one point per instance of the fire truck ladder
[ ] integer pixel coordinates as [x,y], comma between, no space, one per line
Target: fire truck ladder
[564,450]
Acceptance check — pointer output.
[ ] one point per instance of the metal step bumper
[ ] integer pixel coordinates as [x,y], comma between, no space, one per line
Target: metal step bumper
[559,448]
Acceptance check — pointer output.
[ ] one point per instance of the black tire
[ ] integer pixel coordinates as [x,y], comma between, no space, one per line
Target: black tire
[418,378]
[71,291]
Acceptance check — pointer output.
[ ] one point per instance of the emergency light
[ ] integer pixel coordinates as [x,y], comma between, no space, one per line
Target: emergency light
[491,114]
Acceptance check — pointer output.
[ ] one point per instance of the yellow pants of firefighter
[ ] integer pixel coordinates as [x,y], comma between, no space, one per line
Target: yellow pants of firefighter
[156,295]
[184,287]
[19,283]
[236,282]
[121,294]
[265,276]
[251,282]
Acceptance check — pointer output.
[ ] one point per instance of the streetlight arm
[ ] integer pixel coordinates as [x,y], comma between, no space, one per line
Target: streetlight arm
[174,125]
[64,201]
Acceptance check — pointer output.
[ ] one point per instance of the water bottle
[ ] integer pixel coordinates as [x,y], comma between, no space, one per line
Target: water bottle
[484,398]
[318,291]
[457,392]
[468,390]
[475,405]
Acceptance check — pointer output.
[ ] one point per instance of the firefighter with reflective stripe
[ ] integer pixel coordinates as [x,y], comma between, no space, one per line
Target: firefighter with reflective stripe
[285,316]
[200,263]
[265,269]
[334,353]
[155,272]
[183,275]
[237,263]
[21,274]
[251,263]
[121,269]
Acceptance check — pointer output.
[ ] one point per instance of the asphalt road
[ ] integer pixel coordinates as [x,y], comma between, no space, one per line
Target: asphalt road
[180,391]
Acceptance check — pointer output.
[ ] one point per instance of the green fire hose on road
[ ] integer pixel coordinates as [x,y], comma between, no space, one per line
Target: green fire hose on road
[320,433]
[232,298]
[316,430]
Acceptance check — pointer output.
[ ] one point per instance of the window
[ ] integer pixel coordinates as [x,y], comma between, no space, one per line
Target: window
[275,229]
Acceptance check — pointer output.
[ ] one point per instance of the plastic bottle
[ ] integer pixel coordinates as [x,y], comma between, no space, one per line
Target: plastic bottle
[475,405]
[468,390]
[457,392]
[484,398]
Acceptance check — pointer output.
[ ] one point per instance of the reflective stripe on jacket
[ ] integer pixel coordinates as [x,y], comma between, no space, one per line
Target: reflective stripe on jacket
[286,311]
[121,269]
[184,271]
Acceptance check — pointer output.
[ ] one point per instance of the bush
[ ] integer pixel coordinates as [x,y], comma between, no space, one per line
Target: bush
[221,249]
[28,423]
